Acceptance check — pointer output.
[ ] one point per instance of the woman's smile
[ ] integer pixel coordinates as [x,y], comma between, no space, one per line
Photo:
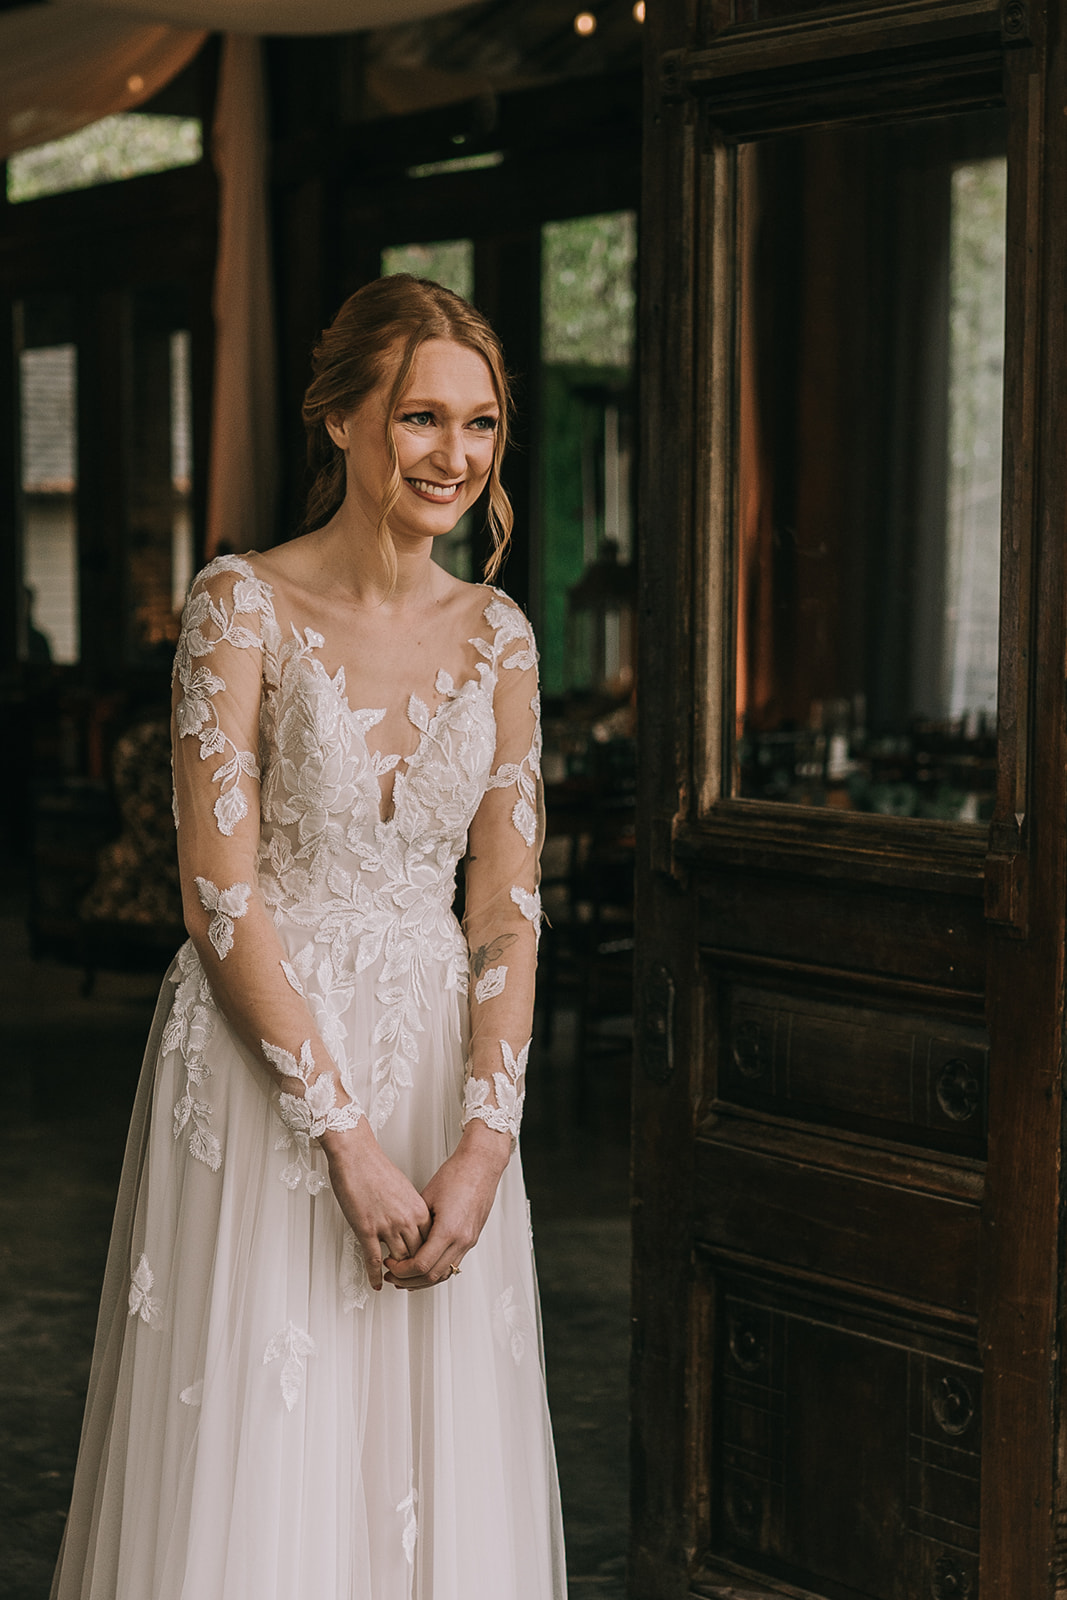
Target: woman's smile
[443,493]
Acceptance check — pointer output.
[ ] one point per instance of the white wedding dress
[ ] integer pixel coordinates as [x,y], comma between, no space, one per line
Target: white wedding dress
[260,1425]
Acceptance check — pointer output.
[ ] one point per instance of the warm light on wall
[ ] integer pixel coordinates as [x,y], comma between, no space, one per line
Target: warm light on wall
[639,11]
[585,24]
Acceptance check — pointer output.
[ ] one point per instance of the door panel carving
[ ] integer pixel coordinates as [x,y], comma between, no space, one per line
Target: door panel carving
[880,1070]
[887,1509]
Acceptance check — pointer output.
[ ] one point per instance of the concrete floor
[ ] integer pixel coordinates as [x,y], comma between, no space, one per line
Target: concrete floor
[70,1064]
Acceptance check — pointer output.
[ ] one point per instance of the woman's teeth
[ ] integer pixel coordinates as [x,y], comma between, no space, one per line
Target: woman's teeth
[440,491]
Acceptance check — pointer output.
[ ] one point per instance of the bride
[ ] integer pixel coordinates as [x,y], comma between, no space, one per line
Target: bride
[318,1372]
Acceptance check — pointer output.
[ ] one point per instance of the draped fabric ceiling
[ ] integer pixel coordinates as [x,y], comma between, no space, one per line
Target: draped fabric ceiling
[67,63]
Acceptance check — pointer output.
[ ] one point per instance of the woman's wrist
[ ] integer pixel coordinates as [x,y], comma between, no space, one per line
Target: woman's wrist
[487,1145]
[347,1144]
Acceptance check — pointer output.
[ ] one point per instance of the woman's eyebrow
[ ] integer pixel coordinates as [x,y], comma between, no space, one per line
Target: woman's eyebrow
[415,403]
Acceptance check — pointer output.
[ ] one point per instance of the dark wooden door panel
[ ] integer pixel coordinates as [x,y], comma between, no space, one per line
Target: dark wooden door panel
[875,1069]
[932,939]
[844,1449]
[913,1245]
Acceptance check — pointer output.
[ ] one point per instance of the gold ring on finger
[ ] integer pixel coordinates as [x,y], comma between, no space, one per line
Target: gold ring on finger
[454,1271]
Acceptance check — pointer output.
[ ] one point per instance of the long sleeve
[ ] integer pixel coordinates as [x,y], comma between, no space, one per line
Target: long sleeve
[503,907]
[218,684]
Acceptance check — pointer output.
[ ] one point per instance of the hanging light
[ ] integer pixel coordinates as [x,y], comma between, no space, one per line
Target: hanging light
[639,11]
[585,24]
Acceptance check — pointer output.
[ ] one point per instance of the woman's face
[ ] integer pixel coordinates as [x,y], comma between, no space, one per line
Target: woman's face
[444,427]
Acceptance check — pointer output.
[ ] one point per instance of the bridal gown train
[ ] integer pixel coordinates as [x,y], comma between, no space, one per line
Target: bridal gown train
[260,1425]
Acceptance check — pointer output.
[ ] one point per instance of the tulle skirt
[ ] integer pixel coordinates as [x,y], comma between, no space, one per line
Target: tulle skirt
[260,1426]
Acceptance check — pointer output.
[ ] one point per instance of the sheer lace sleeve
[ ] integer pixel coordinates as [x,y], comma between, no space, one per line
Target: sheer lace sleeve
[218,678]
[503,907]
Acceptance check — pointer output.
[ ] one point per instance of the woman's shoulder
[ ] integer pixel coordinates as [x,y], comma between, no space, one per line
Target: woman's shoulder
[506,637]
[233,580]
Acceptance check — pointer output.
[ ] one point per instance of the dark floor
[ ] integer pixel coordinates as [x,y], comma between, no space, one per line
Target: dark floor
[70,1064]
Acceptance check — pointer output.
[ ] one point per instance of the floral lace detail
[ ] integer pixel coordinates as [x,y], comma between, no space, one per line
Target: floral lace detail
[189,1029]
[530,906]
[228,905]
[195,712]
[141,1303]
[310,1115]
[410,1533]
[356,897]
[193,1396]
[292,1346]
[371,892]
[355,1282]
[512,1324]
[510,1087]
[491,984]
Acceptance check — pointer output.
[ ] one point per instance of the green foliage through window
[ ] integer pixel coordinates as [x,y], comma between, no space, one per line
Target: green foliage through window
[587,290]
[122,146]
[448,261]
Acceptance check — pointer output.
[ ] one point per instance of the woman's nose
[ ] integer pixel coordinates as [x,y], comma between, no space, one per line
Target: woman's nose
[450,455]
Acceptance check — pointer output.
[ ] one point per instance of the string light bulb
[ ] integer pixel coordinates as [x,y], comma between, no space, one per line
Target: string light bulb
[584,24]
[639,11]
[135,83]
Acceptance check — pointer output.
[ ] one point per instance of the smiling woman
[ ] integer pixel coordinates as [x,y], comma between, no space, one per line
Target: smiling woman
[375,338]
[335,1083]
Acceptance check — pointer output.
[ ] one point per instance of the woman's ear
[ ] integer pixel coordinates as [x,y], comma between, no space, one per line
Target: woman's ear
[337,428]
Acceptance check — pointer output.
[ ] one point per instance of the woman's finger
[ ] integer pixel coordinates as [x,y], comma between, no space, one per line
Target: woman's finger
[372,1255]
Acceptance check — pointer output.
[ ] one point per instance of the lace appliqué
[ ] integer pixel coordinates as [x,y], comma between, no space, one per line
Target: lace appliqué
[355,1281]
[193,1396]
[510,1088]
[189,1029]
[530,906]
[512,629]
[307,1116]
[140,1301]
[410,1533]
[492,984]
[395,908]
[512,1324]
[375,893]
[292,1346]
[195,712]
[228,905]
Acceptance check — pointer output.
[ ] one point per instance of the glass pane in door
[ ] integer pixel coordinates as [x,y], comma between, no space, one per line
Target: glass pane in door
[160,558]
[870,354]
[48,429]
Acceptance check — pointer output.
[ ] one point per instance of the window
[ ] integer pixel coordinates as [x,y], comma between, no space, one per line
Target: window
[48,383]
[587,422]
[122,146]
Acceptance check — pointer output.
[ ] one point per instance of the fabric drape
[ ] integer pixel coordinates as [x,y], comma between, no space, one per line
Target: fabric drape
[59,72]
[271,16]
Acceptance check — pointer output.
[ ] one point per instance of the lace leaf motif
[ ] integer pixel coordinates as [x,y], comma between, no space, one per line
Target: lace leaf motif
[189,1030]
[292,1346]
[140,1302]
[510,1089]
[228,905]
[195,712]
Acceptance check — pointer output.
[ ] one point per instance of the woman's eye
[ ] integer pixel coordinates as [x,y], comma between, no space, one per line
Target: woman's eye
[421,419]
[484,424]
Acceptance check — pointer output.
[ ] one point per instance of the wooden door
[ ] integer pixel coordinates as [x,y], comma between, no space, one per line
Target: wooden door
[851,891]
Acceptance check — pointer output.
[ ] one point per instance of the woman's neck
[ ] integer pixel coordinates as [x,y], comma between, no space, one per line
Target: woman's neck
[348,559]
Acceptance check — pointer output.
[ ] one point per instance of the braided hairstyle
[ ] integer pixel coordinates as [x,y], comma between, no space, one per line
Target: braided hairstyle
[352,359]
